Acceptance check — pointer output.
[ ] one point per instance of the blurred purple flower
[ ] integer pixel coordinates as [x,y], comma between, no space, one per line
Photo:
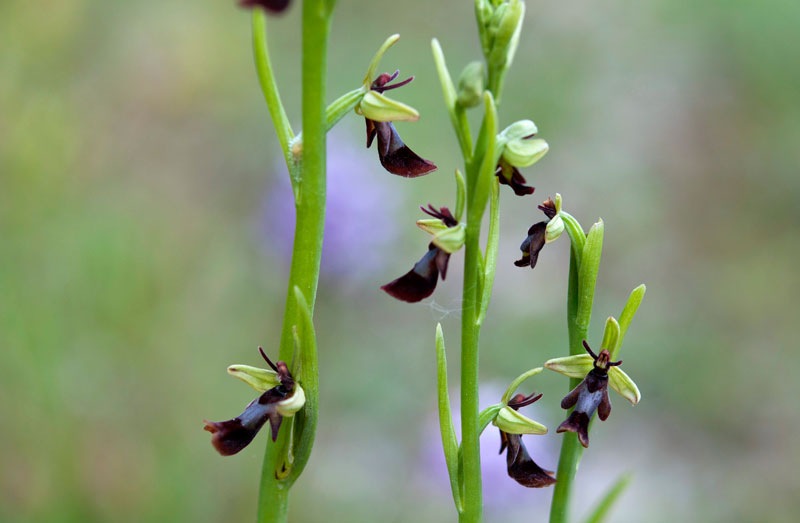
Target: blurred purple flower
[360,223]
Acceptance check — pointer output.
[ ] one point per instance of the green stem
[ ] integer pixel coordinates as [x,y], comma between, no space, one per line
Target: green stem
[306,254]
[571,449]
[268,85]
[470,335]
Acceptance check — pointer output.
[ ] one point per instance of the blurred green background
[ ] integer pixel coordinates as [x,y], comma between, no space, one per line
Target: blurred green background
[143,241]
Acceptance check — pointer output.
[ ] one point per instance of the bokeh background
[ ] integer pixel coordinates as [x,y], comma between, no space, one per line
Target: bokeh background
[144,230]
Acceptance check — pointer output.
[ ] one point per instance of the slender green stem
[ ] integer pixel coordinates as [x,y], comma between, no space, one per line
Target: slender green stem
[268,85]
[571,449]
[306,254]
[470,334]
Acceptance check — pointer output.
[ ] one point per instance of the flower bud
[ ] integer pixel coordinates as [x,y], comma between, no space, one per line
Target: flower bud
[504,29]
[471,84]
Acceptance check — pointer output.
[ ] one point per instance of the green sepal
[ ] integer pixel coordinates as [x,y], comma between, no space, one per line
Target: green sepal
[524,153]
[260,379]
[375,106]
[446,427]
[376,60]
[519,130]
[519,380]
[451,239]
[577,366]
[512,422]
[610,334]
[624,385]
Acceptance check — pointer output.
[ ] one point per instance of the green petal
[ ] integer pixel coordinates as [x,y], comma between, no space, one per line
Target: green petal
[610,334]
[572,366]
[624,385]
[260,379]
[512,422]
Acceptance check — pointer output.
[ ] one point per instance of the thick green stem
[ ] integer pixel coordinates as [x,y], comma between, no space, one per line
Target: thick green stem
[470,335]
[307,250]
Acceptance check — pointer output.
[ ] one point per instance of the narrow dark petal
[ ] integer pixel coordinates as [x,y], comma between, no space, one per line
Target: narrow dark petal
[381,82]
[509,175]
[604,409]
[443,213]
[532,245]
[577,422]
[442,260]
[521,468]
[548,207]
[395,155]
[371,131]
[273,6]
[418,283]
[571,399]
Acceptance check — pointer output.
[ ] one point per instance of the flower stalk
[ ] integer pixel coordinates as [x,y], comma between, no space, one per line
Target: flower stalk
[283,462]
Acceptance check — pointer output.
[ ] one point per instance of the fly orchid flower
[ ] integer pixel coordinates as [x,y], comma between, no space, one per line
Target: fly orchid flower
[512,425]
[281,396]
[598,372]
[379,113]
[541,233]
[420,282]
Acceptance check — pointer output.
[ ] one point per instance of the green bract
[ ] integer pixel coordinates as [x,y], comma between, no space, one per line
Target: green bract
[471,85]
